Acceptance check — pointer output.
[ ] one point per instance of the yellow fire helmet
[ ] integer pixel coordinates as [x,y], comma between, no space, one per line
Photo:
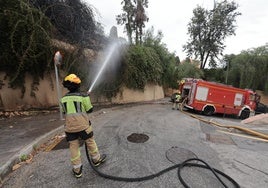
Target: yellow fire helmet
[72,78]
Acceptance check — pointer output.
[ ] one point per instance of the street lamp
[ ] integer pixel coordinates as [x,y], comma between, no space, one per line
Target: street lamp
[57,62]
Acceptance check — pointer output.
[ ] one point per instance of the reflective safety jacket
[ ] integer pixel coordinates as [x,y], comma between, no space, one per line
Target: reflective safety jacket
[177,98]
[75,107]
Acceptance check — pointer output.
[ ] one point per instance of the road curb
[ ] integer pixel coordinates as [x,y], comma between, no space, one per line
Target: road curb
[7,167]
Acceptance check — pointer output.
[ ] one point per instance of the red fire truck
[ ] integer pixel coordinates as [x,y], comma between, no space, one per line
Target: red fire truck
[210,97]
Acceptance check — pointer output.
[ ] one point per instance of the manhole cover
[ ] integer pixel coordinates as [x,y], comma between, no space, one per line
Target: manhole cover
[178,155]
[137,138]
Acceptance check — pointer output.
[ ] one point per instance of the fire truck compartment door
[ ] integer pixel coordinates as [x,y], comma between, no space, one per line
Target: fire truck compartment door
[238,99]
[201,93]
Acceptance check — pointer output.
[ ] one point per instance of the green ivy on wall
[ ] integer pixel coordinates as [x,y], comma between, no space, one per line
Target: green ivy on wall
[25,42]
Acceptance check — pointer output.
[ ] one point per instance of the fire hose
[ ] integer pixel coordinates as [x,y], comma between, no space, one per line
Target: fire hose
[246,130]
[186,163]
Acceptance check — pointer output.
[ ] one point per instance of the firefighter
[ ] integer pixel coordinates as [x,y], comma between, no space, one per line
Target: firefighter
[75,106]
[176,101]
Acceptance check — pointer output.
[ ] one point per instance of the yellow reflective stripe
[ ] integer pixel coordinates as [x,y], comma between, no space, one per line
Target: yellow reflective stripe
[94,151]
[77,157]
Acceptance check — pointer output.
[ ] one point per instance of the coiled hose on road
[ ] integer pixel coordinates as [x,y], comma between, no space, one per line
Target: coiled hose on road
[186,163]
[178,166]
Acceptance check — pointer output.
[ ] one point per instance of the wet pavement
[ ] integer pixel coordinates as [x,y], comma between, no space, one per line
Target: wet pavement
[163,138]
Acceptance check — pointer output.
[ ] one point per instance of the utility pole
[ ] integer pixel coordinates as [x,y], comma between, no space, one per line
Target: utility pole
[227,74]
[57,62]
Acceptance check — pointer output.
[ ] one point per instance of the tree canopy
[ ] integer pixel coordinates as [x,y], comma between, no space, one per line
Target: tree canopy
[208,29]
[27,28]
[189,70]
[74,21]
[134,18]
[249,68]
[169,61]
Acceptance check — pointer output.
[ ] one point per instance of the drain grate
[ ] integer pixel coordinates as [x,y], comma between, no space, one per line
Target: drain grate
[219,139]
[178,155]
[137,138]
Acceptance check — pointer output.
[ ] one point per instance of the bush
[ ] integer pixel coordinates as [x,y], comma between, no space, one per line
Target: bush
[142,66]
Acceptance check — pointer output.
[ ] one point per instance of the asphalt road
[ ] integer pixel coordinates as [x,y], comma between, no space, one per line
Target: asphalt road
[172,138]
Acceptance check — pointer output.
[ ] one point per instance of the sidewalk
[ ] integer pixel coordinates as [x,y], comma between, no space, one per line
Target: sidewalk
[19,135]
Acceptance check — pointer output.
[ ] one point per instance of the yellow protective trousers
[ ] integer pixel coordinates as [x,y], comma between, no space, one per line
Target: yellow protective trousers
[76,154]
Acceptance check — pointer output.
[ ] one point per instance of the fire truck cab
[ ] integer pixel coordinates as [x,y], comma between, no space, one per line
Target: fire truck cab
[210,97]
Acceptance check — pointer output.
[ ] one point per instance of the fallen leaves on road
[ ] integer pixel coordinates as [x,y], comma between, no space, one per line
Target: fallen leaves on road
[54,142]
[27,161]
[16,166]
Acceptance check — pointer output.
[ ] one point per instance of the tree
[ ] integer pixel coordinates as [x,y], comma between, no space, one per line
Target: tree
[127,18]
[189,70]
[169,61]
[133,18]
[74,21]
[142,66]
[208,29]
[226,64]
[214,74]
[140,18]
[249,68]
[26,35]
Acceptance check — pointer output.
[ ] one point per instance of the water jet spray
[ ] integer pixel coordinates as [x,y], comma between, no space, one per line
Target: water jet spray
[111,50]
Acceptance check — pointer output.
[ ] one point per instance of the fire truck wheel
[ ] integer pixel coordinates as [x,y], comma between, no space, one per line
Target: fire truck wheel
[245,114]
[208,111]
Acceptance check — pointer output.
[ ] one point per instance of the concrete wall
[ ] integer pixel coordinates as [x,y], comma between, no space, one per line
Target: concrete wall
[151,92]
[46,95]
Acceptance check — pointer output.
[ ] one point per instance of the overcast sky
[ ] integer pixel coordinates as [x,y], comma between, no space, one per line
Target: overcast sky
[172,17]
